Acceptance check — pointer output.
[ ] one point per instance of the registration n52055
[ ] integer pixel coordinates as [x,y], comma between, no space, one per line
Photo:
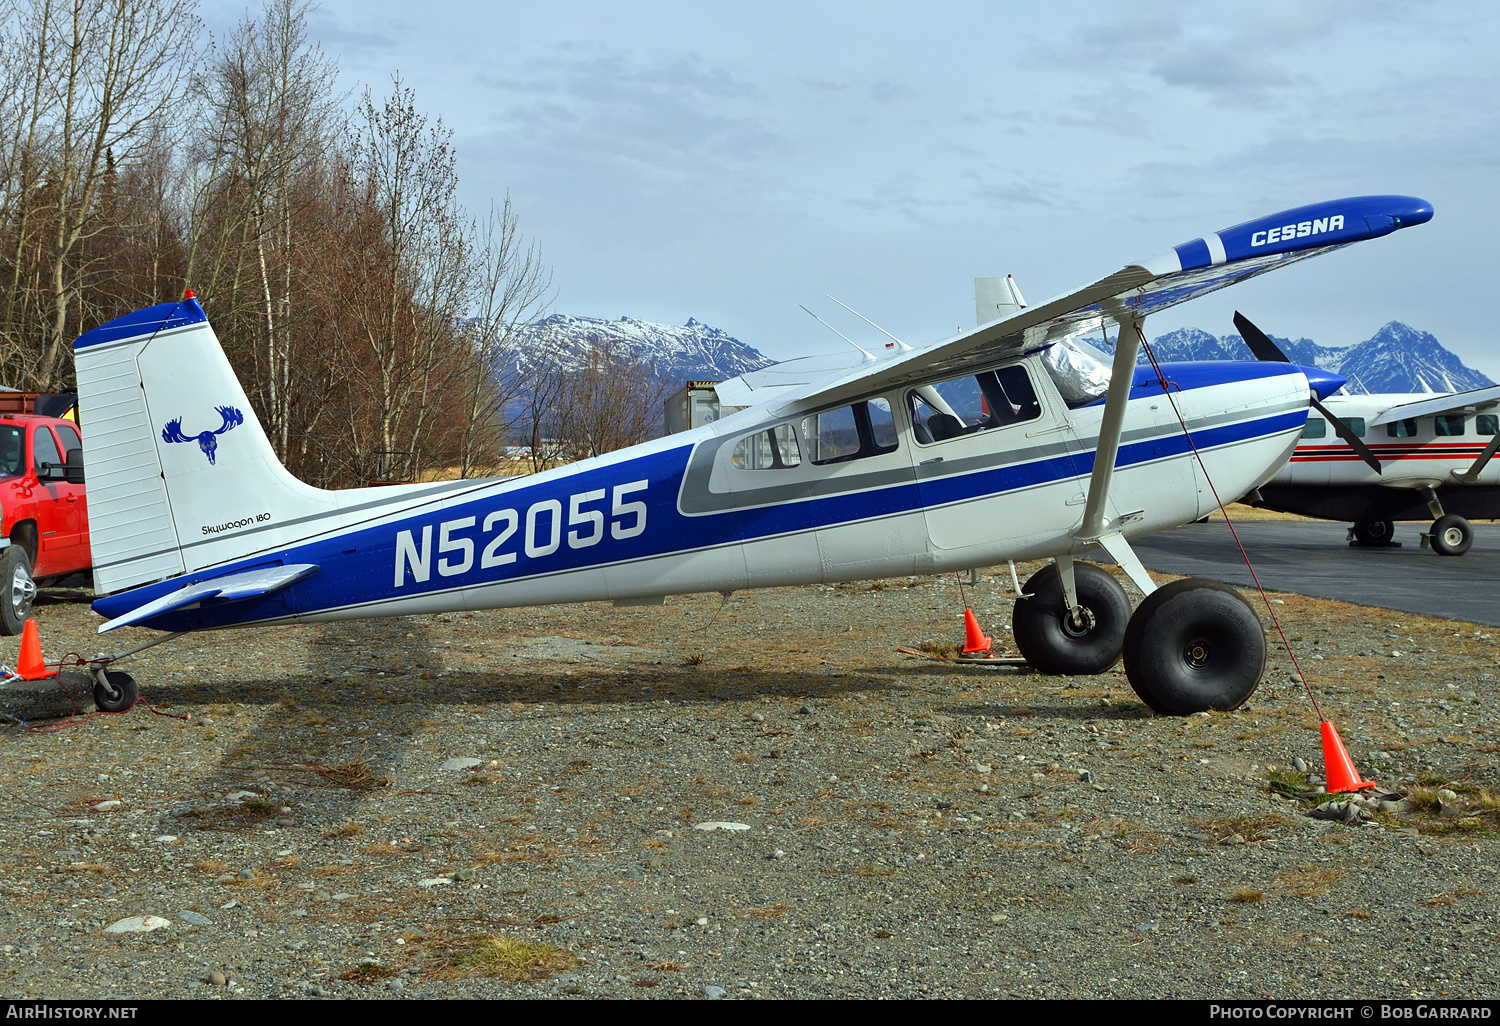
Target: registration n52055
[506,535]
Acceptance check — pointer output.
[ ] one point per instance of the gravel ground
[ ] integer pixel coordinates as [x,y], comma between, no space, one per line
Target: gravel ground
[915,828]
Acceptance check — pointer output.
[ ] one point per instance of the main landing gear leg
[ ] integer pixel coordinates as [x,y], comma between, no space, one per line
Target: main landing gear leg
[1451,534]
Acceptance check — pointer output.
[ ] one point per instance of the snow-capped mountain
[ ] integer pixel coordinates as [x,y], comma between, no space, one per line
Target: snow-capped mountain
[1397,358]
[677,353]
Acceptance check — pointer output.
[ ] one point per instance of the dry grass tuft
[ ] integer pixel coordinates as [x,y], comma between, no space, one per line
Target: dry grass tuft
[941,649]
[693,659]
[1309,881]
[749,799]
[97,868]
[744,757]
[384,849]
[1246,896]
[354,775]
[211,866]
[508,958]
[369,972]
[1360,913]
[1250,828]
[348,828]
[775,911]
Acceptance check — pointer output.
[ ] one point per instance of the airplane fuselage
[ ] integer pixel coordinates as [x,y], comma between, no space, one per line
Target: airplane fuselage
[690,513]
[1326,478]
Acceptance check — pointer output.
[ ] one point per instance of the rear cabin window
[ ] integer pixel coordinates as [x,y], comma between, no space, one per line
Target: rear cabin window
[850,433]
[965,406]
[1401,429]
[1356,425]
[43,448]
[1486,424]
[772,449]
[1448,424]
[12,451]
[1316,427]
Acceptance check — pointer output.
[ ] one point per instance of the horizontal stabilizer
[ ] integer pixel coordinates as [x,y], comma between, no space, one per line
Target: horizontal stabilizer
[234,588]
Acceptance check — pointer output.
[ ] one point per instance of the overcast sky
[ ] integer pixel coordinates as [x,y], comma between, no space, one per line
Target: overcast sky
[730,161]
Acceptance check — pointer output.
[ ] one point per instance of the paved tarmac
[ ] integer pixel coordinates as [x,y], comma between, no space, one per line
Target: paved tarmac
[1314,559]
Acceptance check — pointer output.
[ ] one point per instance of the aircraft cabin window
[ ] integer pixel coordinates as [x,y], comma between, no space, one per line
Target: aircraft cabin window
[772,449]
[1448,424]
[964,406]
[850,432]
[1401,429]
[1355,425]
[1486,424]
[1316,427]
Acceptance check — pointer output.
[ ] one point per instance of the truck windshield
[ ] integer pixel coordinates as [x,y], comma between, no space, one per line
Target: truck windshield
[12,451]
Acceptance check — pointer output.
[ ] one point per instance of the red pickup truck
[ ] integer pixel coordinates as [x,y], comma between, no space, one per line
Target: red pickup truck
[43,512]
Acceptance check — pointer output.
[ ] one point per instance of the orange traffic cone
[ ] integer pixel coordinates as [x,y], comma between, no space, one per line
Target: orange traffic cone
[975,640]
[30,666]
[1343,778]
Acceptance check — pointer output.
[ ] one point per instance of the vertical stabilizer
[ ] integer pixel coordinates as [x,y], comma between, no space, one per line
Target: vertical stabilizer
[995,298]
[180,473]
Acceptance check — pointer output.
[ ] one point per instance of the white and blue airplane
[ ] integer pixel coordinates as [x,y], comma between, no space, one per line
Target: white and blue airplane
[1010,441]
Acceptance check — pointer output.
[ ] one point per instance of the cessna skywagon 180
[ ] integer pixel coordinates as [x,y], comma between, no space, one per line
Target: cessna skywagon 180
[1009,441]
[1432,459]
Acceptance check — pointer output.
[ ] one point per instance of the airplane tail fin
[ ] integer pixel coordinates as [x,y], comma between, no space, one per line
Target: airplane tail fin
[180,473]
[996,297]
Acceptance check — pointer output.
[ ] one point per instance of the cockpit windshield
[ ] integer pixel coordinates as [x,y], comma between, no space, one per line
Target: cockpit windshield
[1080,371]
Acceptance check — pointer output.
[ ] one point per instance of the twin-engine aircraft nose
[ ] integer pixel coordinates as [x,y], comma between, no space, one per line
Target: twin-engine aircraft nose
[1323,382]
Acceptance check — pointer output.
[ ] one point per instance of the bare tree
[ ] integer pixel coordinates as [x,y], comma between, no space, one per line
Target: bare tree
[609,400]
[105,71]
[514,287]
[269,97]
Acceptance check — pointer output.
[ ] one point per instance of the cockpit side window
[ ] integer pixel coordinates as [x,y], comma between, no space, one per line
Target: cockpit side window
[772,449]
[967,405]
[850,432]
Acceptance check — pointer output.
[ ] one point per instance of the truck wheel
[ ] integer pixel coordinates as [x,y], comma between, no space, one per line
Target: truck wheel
[19,590]
[1452,535]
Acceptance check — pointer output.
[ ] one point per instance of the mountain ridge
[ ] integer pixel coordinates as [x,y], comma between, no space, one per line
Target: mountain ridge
[1397,358]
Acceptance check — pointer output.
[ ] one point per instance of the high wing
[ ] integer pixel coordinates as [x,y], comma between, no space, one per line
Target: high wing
[1184,272]
[1452,402]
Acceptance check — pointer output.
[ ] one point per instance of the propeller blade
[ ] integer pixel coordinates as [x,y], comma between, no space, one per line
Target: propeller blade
[1259,342]
[1342,430]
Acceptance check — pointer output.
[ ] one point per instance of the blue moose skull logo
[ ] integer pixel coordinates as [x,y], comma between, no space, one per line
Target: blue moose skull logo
[208,441]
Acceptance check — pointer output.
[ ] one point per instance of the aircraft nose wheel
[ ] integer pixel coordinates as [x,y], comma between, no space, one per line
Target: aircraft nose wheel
[1194,645]
[1049,637]
[1451,535]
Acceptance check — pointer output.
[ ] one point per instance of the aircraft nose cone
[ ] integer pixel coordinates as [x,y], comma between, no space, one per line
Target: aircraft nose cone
[1323,382]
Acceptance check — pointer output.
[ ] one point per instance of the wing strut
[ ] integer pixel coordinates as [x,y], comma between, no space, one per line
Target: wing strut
[1472,474]
[1095,528]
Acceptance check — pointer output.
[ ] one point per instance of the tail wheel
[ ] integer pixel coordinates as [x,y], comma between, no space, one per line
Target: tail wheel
[1194,645]
[119,696]
[1047,634]
[1374,534]
[17,589]
[1451,535]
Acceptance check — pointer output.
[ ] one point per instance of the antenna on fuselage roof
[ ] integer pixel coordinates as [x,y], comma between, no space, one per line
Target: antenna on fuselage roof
[899,344]
[869,357]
